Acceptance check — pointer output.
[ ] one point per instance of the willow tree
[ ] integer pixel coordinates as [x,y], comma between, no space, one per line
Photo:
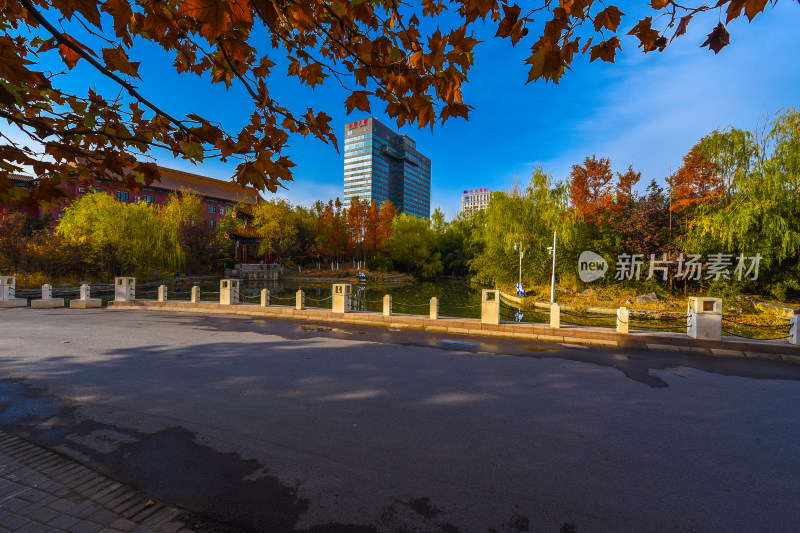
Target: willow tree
[525,218]
[761,215]
[385,53]
[119,237]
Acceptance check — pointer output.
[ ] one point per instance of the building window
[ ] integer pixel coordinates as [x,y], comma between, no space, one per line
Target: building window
[122,196]
[80,189]
[149,198]
[60,215]
[137,199]
[212,223]
[212,209]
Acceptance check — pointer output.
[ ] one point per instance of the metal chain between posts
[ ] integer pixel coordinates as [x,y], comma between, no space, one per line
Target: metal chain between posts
[755,338]
[757,326]
[318,299]
[282,298]
[588,316]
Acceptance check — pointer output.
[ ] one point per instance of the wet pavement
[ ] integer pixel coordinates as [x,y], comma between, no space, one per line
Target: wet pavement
[268,425]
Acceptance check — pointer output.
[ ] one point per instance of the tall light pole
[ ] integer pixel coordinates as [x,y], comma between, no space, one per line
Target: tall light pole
[553,279]
[520,259]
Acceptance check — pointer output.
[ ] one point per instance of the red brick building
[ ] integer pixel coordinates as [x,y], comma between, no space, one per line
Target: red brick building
[218,196]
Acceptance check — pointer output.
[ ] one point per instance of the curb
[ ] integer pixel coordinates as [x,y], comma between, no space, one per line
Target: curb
[639,340]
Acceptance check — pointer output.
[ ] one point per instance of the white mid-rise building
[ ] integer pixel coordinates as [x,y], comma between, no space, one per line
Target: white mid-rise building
[475,199]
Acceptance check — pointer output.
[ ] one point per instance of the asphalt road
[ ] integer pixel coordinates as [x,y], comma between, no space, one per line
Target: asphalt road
[270,425]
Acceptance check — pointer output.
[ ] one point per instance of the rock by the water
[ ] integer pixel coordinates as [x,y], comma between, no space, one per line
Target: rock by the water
[647,298]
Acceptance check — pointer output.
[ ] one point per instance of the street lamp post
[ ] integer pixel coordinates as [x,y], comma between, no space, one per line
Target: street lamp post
[516,244]
[553,278]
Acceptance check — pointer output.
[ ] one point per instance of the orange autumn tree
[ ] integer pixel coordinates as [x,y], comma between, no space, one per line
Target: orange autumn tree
[331,238]
[695,183]
[593,193]
[357,224]
[387,214]
[591,189]
[408,59]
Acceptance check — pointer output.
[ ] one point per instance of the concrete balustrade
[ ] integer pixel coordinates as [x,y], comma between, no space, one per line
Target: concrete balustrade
[704,314]
[340,297]
[705,318]
[434,312]
[124,289]
[623,319]
[85,301]
[47,301]
[8,293]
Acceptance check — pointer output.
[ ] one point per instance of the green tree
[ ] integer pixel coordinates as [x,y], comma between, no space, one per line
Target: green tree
[528,217]
[119,237]
[276,223]
[413,245]
[762,213]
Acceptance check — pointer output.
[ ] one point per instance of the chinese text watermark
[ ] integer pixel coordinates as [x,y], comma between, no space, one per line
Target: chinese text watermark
[687,267]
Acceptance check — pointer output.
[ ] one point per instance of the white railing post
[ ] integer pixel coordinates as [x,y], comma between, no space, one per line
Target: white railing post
[124,289]
[490,306]
[434,314]
[162,293]
[340,297]
[555,315]
[705,318]
[623,320]
[195,298]
[300,300]
[264,297]
[47,301]
[387,305]
[794,328]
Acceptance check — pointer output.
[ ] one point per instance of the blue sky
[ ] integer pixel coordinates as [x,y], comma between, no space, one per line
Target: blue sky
[646,110]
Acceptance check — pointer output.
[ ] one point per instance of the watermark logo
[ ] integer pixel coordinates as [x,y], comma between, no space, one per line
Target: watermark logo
[686,267]
[591,267]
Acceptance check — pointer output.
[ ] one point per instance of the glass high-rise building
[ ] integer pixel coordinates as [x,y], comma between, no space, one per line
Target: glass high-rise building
[381,165]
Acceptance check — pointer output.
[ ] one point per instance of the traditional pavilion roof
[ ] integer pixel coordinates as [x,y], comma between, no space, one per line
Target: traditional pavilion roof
[175,180]
[244,235]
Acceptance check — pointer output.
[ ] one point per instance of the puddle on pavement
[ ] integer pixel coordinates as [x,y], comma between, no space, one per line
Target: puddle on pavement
[16,405]
[542,348]
[316,328]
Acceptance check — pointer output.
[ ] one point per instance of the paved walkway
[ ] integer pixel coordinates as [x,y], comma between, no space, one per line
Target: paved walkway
[41,491]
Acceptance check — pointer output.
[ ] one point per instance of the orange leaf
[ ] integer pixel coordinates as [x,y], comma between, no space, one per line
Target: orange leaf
[69,55]
[213,14]
[240,11]
[718,39]
[358,100]
[87,8]
[605,50]
[117,59]
[751,8]
[608,18]
[509,20]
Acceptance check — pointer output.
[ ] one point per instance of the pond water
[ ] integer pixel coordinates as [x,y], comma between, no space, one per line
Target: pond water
[457,297]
